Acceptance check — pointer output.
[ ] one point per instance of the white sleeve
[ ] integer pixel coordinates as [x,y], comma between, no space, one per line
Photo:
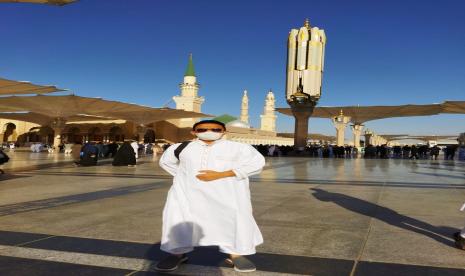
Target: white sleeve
[168,161]
[251,162]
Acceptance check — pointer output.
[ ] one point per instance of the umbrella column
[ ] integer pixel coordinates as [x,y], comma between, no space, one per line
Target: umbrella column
[379,140]
[357,131]
[375,139]
[141,130]
[368,137]
[340,122]
[58,126]
[301,115]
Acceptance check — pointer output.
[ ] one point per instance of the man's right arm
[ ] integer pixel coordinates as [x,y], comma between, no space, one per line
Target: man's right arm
[168,161]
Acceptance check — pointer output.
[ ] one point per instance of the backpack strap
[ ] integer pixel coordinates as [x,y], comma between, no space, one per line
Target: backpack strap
[179,149]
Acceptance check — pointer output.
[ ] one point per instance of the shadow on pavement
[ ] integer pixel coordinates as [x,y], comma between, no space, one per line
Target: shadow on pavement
[180,240]
[8,176]
[441,175]
[387,215]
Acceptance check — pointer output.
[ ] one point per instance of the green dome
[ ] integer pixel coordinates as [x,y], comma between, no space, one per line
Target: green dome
[225,118]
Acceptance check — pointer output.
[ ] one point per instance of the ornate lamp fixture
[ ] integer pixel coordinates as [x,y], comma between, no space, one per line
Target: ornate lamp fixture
[305,60]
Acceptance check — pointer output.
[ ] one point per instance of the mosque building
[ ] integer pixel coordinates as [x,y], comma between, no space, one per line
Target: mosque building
[171,131]
[239,129]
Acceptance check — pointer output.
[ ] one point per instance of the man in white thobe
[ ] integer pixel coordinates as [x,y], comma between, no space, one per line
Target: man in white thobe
[135,146]
[209,201]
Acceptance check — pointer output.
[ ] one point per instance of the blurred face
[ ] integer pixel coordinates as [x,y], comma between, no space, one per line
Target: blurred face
[209,131]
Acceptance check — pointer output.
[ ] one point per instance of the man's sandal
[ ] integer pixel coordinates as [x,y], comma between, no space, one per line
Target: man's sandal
[241,264]
[171,263]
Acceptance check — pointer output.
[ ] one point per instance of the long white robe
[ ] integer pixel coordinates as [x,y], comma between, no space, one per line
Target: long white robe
[135,147]
[204,213]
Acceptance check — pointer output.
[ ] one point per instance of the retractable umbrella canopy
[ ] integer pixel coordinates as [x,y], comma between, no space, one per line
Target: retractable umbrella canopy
[455,107]
[41,119]
[312,136]
[317,136]
[361,114]
[433,137]
[391,137]
[12,87]
[60,106]
[152,115]
[9,109]
[50,2]
[67,106]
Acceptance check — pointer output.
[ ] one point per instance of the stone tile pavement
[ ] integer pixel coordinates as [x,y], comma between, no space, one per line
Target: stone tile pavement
[318,217]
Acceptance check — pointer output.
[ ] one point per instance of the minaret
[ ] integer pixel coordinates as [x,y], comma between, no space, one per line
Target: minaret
[189,99]
[269,117]
[245,108]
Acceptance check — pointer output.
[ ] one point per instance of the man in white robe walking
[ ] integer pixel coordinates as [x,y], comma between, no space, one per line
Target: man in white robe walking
[209,202]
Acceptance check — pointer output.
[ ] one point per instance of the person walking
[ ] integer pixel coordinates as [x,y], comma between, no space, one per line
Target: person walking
[3,159]
[68,148]
[414,152]
[434,153]
[125,156]
[209,202]
[112,149]
[459,237]
[462,153]
[135,147]
[89,155]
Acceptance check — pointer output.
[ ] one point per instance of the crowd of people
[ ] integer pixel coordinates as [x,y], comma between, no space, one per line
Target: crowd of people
[88,154]
[126,153]
[8,146]
[370,151]
[123,154]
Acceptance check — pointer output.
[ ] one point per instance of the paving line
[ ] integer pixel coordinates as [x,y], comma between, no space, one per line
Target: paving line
[33,241]
[367,234]
[116,262]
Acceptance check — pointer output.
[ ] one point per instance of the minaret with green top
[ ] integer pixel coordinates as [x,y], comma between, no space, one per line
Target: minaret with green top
[190,68]
[189,99]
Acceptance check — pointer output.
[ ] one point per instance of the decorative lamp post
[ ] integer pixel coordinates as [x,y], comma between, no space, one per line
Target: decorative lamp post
[305,60]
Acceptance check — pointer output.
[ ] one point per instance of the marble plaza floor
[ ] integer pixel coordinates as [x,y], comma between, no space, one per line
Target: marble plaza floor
[317,216]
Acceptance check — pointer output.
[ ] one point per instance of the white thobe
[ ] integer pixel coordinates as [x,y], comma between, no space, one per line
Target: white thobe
[218,212]
[135,147]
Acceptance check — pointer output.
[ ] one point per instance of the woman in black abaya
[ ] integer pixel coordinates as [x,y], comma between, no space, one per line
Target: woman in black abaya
[125,156]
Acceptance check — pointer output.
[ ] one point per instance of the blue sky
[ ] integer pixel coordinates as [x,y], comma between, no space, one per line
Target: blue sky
[378,53]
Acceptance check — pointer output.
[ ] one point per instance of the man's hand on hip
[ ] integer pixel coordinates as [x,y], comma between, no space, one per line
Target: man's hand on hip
[209,175]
